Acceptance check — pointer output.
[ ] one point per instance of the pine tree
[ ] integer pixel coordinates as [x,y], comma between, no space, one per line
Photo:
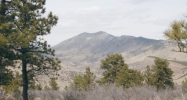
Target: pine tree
[163,74]
[89,78]
[21,37]
[129,78]
[12,87]
[177,33]
[160,75]
[6,77]
[53,84]
[83,82]
[6,28]
[38,87]
[148,76]
[13,83]
[78,83]
[112,65]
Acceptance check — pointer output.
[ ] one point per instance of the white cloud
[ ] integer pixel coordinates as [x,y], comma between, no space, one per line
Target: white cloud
[138,1]
[88,10]
[147,18]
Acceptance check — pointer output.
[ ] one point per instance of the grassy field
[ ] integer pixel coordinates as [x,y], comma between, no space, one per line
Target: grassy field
[104,93]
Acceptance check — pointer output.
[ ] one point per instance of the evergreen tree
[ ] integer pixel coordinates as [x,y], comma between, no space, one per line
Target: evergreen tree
[89,77]
[34,86]
[116,71]
[38,87]
[6,77]
[53,84]
[161,75]
[129,78]
[6,28]
[21,33]
[6,24]
[112,65]
[12,85]
[78,83]
[148,76]
[177,32]
[83,82]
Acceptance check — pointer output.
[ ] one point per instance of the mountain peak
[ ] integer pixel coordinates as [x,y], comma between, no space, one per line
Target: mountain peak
[86,34]
[100,32]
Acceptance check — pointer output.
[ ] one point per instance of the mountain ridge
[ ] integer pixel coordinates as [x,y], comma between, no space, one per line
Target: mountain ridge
[86,34]
[92,47]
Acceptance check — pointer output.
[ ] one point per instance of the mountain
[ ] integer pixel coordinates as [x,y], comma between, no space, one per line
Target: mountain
[87,49]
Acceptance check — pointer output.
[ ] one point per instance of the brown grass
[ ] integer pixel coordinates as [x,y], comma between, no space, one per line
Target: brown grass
[106,93]
[117,93]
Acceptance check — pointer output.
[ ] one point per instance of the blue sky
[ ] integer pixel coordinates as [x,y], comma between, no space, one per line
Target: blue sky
[146,18]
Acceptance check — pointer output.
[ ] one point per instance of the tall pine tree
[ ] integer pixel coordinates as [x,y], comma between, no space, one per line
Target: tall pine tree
[26,41]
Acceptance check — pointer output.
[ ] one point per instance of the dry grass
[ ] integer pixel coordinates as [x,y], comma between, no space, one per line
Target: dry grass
[117,93]
[46,95]
[107,93]
[2,94]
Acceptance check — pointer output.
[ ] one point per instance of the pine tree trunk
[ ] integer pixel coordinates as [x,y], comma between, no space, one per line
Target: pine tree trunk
[25,79]
[1,72]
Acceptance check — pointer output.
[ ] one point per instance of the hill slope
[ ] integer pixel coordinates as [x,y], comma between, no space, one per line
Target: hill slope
[88,48]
